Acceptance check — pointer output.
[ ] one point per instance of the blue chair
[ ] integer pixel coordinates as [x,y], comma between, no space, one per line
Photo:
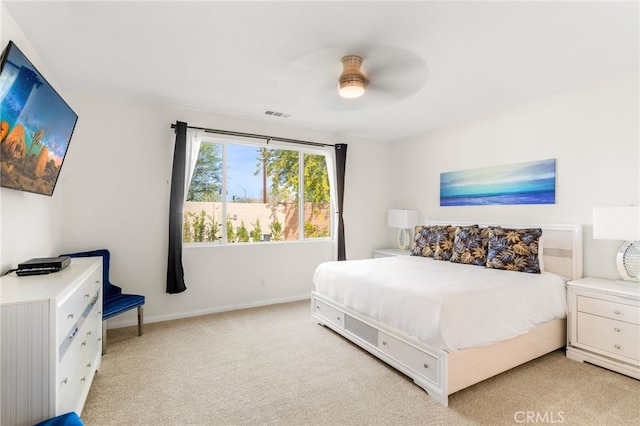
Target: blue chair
[113,301]
[68,419]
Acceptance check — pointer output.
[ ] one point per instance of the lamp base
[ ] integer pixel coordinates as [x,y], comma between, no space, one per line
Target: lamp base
[628,261]
[403,239]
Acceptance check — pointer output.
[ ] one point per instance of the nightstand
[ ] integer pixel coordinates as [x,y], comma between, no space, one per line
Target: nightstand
[603,324]
[390,252]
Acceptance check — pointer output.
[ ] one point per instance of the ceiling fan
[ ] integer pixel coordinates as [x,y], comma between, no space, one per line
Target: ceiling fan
[369,77]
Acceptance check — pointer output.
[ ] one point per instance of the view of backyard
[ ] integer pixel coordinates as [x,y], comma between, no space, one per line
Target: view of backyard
[268,208]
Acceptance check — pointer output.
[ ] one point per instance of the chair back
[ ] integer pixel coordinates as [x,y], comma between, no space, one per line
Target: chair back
[108,289]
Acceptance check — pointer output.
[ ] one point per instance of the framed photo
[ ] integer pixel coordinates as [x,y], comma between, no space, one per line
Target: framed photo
[522,183]
[36,125]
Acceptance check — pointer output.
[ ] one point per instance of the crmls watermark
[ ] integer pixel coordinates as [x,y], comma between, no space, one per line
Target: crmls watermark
[538,417]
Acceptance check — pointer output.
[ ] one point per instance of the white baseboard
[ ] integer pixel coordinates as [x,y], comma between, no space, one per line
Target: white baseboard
[160,318]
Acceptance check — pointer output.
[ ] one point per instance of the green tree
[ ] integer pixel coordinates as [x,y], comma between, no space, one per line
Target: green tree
[206,182]
[213,229]
[281,166]
[231,235]
[242,236]
[256,232]
[276,231]
[187,232]
[316,179]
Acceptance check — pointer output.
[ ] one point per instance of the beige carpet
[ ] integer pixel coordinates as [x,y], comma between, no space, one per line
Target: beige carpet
[275,365]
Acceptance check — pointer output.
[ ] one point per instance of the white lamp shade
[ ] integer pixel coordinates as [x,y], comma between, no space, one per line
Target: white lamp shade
[616,223]
[403,219]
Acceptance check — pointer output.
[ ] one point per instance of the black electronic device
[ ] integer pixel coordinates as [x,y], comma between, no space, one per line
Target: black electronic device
[43,265]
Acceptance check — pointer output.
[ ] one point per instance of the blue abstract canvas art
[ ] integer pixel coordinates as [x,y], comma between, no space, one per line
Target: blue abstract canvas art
[523,183]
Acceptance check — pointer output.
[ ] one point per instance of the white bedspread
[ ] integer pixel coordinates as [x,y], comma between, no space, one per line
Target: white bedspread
[449,306]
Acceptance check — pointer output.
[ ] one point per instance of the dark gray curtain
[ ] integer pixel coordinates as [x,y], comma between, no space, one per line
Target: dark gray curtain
[341,161]
[175,272]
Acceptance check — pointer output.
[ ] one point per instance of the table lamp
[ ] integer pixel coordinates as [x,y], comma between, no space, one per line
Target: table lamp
[404,220]
[621,223]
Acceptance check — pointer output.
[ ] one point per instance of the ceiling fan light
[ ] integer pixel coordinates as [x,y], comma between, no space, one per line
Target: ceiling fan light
[352,81]
[351,89]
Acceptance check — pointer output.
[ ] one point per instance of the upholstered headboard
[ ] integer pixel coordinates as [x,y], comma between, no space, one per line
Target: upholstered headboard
[561,245]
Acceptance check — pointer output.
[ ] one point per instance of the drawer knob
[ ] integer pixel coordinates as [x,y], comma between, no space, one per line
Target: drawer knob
[384,343]
[616,329]
[617,312]
[83,379]
[83,343]
[425,365]
[317,307]
[70,315]
[89,365]
[338,318]
[616,346]
[64,382]
[86,296]
[89,333]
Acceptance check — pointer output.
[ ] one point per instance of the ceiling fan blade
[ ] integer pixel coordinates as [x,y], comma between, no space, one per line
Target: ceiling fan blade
[392,73]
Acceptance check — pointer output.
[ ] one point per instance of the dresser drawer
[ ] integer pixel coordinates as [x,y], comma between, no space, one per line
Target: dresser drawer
[72,361]
[76,391]
[615,310]
[418,361]
[71,309]
[329,313]
[614,337]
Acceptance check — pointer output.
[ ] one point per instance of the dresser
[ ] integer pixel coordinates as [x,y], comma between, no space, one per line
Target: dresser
[604,324]
[51,333]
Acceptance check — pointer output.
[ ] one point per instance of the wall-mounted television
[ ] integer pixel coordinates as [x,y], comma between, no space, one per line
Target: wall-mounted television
[36,125]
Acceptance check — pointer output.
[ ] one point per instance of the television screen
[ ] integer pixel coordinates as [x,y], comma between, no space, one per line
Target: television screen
[36,125]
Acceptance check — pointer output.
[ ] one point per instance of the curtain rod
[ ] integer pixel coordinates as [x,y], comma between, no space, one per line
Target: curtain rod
[255,136]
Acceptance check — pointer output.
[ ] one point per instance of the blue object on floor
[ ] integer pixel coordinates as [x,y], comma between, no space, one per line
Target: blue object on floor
[113,301]
[68,419]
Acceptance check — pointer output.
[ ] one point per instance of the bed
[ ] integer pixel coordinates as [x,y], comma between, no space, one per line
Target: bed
[449,324]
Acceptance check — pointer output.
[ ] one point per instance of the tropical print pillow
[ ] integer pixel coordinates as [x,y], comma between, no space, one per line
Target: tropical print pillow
[514,249]
[422,242]
[470,245]
[443,237]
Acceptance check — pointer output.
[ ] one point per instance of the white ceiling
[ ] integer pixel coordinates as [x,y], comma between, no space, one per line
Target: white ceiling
[447,61]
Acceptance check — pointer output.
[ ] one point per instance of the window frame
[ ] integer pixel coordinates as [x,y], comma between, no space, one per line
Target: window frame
[224,141]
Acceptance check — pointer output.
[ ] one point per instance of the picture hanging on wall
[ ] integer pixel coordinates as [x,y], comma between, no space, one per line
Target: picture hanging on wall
[522,183]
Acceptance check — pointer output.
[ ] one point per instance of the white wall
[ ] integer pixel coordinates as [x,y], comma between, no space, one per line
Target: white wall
[116,195]
[30,224]
[592,132]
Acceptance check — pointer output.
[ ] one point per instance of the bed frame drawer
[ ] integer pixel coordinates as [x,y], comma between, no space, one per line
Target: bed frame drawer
[415,359]
[329,313]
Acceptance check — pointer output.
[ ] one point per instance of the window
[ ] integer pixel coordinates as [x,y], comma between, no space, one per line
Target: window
[271,193]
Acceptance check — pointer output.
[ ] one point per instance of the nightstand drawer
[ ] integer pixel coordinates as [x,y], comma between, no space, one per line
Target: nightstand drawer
[614,310]
[616,337]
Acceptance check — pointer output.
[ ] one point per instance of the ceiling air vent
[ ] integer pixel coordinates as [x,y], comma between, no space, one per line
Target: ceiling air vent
[277,114]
